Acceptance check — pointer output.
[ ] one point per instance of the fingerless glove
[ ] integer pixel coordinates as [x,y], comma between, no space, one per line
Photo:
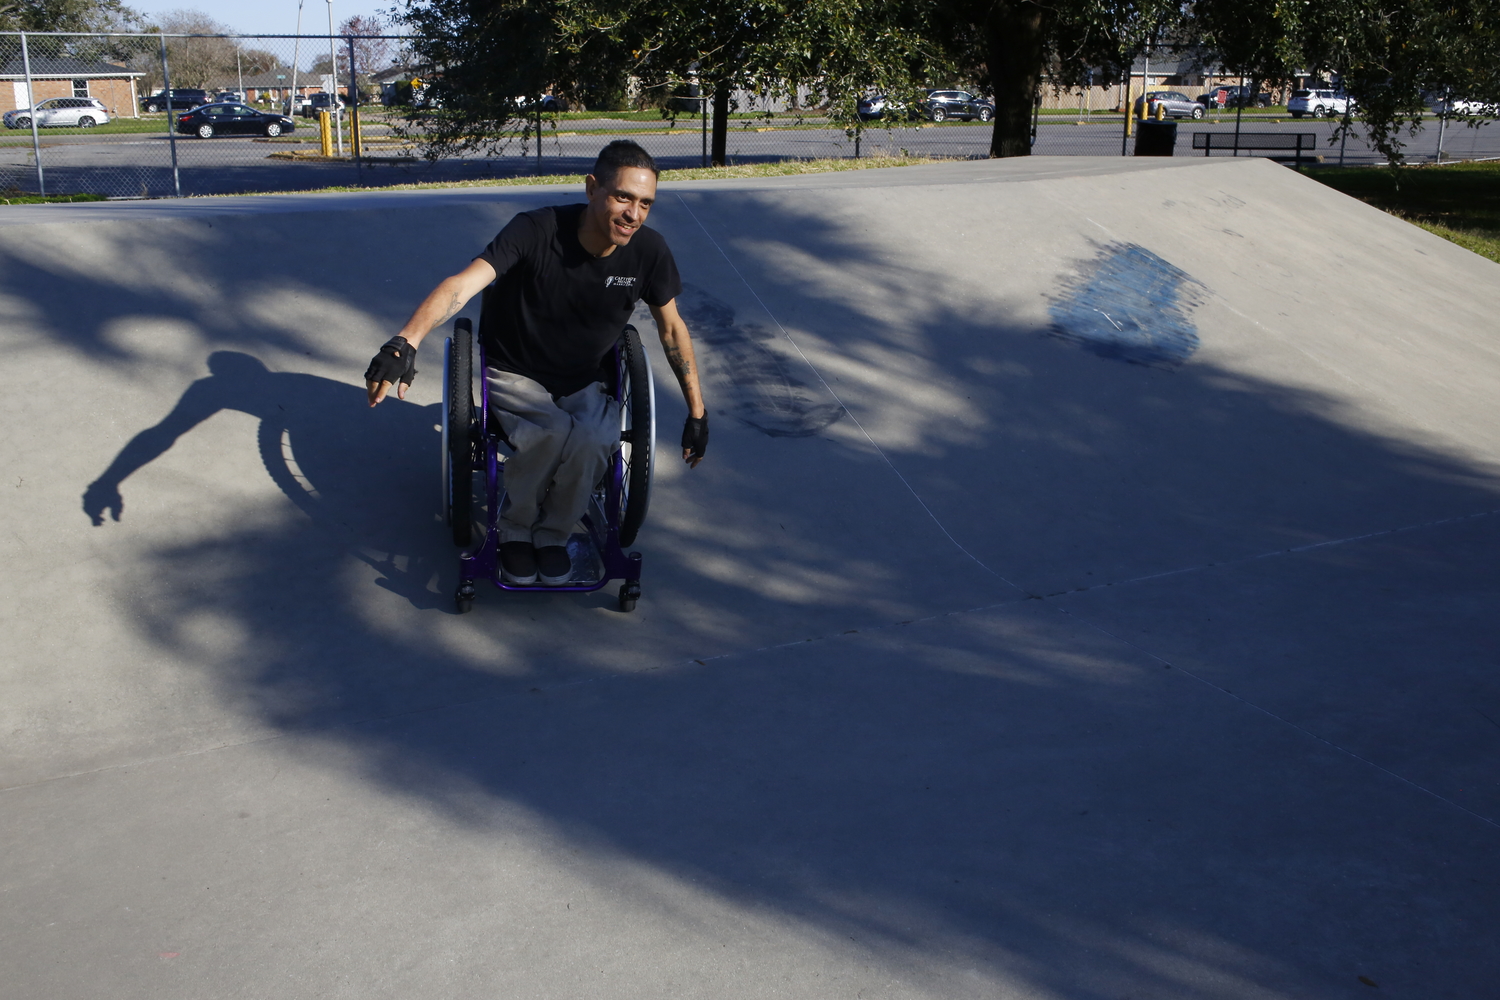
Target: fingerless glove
[396,362]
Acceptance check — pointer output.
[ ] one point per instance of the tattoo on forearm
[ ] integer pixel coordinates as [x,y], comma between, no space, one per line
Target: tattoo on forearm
[681,367]
[454,305]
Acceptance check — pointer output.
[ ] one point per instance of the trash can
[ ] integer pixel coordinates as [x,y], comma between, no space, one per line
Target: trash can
[1155,138]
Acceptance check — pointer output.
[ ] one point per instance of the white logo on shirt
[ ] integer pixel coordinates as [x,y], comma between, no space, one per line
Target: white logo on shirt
[619,281]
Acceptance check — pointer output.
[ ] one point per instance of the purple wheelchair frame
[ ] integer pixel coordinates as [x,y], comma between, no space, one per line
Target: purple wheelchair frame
[483,563]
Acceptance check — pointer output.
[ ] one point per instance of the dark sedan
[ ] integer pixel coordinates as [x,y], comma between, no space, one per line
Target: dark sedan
[942,105]
[232,119]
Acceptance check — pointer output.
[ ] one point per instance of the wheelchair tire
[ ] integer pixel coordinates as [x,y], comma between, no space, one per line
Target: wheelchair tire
[458,432]
[637,433]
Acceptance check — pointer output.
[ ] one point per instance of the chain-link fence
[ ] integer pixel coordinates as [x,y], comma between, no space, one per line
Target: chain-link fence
[131,116]
[125,115]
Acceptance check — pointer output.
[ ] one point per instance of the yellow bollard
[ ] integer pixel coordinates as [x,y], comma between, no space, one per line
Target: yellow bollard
[1161,111]
[325,132]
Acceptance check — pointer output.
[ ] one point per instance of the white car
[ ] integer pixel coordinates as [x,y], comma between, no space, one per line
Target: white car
[60,112]
[1476,108]
[1318,103]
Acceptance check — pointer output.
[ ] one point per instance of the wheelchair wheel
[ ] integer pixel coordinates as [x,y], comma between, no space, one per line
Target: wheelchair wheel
[458,432]
[637,433]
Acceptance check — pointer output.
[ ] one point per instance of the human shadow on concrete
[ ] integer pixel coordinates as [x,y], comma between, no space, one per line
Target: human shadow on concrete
[314,437]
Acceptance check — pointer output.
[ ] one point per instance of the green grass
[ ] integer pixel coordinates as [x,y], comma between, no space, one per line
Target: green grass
[19,198]
[115,126]
[651,115]
[1459,202]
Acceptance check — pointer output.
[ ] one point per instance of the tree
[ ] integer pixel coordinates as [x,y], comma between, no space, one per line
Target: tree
[72,15]
[496,57]
[1005,46]
[66,15]
[372,53]
[194,62]
[838,49]
[1391,58]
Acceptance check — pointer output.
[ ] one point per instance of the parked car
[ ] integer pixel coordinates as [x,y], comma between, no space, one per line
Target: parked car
[1234,96]
[232,119]
[321,102]
[1479,108]
[941,105]
[553,103]
[1176,105]
[874,107]
[60,112]
[181,100]
[1318,103]
[229,96]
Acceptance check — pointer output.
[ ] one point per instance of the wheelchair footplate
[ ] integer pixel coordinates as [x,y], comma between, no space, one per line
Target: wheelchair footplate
[596,556]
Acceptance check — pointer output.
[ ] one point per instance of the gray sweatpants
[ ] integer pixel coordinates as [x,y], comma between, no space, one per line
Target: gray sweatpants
[562,448]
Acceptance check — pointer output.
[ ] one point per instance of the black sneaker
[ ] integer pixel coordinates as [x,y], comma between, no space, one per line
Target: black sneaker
[554,564]
[518,563]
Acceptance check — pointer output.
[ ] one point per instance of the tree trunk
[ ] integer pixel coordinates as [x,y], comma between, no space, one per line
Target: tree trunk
[720,142]
[1014,38]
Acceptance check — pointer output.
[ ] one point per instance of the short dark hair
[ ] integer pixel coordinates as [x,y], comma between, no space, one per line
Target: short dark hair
[618,155]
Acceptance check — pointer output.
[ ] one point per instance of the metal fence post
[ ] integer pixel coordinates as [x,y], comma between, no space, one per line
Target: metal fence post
[703,114]
[36,142]
[356,141]
[166,85]
[1442,124]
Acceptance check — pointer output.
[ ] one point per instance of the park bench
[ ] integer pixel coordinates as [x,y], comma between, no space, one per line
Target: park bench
[1290,144]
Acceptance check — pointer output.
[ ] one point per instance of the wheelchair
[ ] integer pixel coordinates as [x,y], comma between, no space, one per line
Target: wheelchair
[474,442]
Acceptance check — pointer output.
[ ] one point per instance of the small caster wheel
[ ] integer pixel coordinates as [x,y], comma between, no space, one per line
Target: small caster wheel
[630,592]
[464,599]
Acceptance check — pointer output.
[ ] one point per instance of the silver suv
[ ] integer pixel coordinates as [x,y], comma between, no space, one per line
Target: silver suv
[60,112]
[1319,103]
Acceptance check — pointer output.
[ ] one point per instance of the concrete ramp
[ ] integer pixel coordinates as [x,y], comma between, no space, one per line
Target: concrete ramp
[1089,593]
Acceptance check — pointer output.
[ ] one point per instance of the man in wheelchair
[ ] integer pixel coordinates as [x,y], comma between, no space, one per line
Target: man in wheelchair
[559,285]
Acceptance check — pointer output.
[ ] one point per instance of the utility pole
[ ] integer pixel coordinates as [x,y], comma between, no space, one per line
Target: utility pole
[166,80]
[36,142]
[291,101]
[333,69]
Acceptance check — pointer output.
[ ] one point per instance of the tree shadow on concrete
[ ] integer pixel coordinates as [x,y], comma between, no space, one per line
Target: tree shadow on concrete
[989,791]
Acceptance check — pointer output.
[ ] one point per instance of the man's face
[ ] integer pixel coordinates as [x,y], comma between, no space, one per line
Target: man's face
[617,209]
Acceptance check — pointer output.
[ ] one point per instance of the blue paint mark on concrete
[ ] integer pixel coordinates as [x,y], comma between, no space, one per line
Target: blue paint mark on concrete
[1130,305]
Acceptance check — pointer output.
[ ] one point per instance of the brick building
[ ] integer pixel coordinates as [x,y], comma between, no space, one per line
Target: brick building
[65,76]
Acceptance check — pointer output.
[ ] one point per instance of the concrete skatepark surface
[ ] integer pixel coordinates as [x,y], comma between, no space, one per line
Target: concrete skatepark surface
[1089,593]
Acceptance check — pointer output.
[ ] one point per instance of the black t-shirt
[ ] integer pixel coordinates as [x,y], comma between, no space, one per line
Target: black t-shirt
[555,309]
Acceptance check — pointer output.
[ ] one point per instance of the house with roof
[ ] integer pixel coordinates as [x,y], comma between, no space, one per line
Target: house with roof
[275,85]
[68,76]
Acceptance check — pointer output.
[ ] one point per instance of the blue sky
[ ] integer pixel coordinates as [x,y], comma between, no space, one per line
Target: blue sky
[277,17]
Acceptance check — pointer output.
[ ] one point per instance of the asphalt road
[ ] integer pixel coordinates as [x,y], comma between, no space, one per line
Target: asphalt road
[141,165]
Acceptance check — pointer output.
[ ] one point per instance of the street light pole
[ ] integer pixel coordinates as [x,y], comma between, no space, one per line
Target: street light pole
[333,70]
[291,101]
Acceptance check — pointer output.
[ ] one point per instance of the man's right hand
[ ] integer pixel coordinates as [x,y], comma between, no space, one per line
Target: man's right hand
[694,440]
[396,364]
